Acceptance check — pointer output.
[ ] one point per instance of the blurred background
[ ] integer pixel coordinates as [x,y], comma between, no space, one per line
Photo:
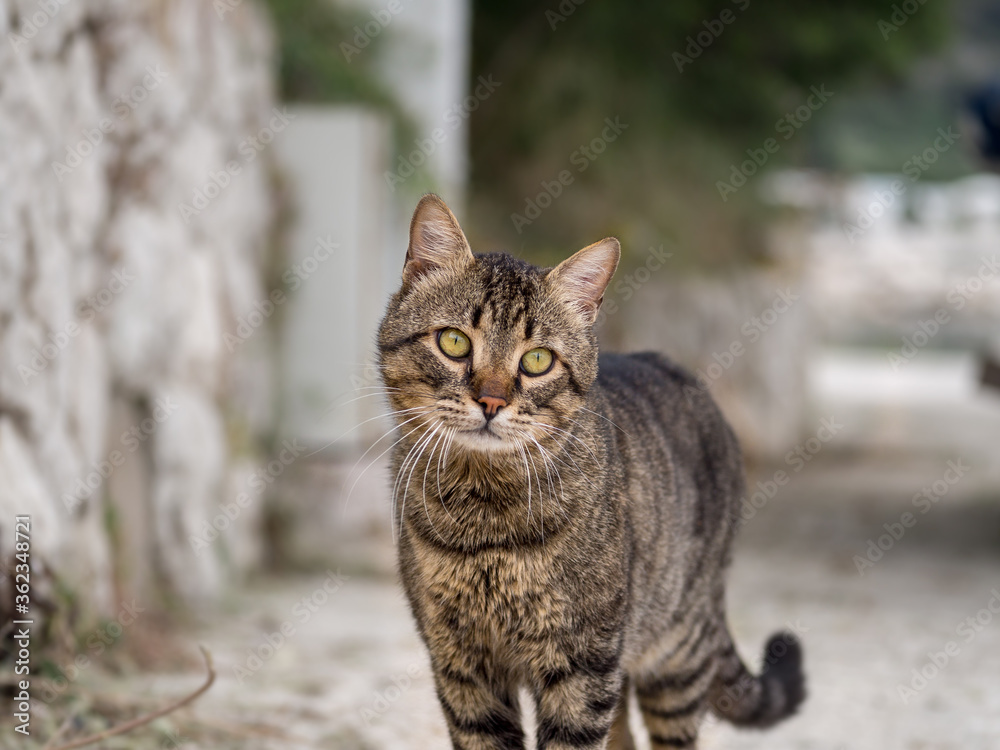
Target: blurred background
[204,210]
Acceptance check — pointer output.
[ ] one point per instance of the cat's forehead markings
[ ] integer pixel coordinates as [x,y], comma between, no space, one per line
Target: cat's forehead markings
[480,349]
[488,293]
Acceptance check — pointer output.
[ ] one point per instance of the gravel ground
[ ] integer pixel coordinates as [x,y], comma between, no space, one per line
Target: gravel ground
[350,673]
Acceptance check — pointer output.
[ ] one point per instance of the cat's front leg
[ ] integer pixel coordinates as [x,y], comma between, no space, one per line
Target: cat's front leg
[479,716]
[578,705]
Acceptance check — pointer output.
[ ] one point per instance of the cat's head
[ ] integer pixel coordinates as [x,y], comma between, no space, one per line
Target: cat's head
[488,347]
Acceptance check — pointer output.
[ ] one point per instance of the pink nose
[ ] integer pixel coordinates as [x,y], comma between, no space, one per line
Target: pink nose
[491,404]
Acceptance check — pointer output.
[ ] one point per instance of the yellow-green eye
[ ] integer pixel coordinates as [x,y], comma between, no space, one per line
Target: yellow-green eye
[537,361]
[454,343]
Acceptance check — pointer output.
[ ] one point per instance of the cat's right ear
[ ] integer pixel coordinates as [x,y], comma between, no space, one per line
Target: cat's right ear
[436,240]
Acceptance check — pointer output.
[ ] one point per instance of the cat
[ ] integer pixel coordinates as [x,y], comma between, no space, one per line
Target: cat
[564,520]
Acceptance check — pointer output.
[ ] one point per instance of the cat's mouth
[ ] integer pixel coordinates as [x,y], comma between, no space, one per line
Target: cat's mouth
[485,432]
[484,438]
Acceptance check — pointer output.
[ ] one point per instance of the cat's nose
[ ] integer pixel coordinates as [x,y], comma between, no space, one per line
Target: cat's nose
[491,405]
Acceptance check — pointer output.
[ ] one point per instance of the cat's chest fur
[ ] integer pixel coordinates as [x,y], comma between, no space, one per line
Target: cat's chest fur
[511,593]
[501,583]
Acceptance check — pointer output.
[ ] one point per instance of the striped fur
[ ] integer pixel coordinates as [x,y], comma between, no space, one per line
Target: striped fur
[576,544]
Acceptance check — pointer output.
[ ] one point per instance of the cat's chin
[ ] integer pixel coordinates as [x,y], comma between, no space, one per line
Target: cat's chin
[483,441]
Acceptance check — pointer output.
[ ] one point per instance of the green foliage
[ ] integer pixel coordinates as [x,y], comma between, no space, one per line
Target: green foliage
[767,55]
[314,66]
[696,93]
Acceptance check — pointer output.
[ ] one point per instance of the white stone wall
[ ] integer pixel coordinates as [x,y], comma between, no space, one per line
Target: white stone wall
[881,252]
[114,298]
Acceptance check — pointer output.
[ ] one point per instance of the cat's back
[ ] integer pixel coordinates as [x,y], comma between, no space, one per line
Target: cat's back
[643,375]
[648,386]
[664,416]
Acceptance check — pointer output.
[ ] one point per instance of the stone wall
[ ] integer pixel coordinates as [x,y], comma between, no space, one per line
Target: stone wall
[127,251]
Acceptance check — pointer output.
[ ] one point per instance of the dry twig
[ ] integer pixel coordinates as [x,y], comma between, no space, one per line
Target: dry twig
[59,733]
[128,726]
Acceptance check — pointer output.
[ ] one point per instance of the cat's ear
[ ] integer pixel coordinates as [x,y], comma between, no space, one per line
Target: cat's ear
[581,279]
[436,240]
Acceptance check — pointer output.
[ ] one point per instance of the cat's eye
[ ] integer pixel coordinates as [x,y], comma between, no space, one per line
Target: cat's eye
[454,343]
[537,361]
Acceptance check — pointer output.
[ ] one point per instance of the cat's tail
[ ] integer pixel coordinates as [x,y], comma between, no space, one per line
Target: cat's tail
[760,701]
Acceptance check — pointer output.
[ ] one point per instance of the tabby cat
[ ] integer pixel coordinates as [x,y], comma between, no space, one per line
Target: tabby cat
[564,520]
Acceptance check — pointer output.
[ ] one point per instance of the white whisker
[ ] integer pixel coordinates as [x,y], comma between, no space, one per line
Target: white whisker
[564,451]
[571,436]
[423,489]
[541,497]
[423,442]
[527,474]
[549,460]
[414,449]
[444,454]
[583,408]
[350,494]
[380,416]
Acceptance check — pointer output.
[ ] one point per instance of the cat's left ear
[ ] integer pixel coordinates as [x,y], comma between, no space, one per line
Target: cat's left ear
[436,240]
[581,279]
